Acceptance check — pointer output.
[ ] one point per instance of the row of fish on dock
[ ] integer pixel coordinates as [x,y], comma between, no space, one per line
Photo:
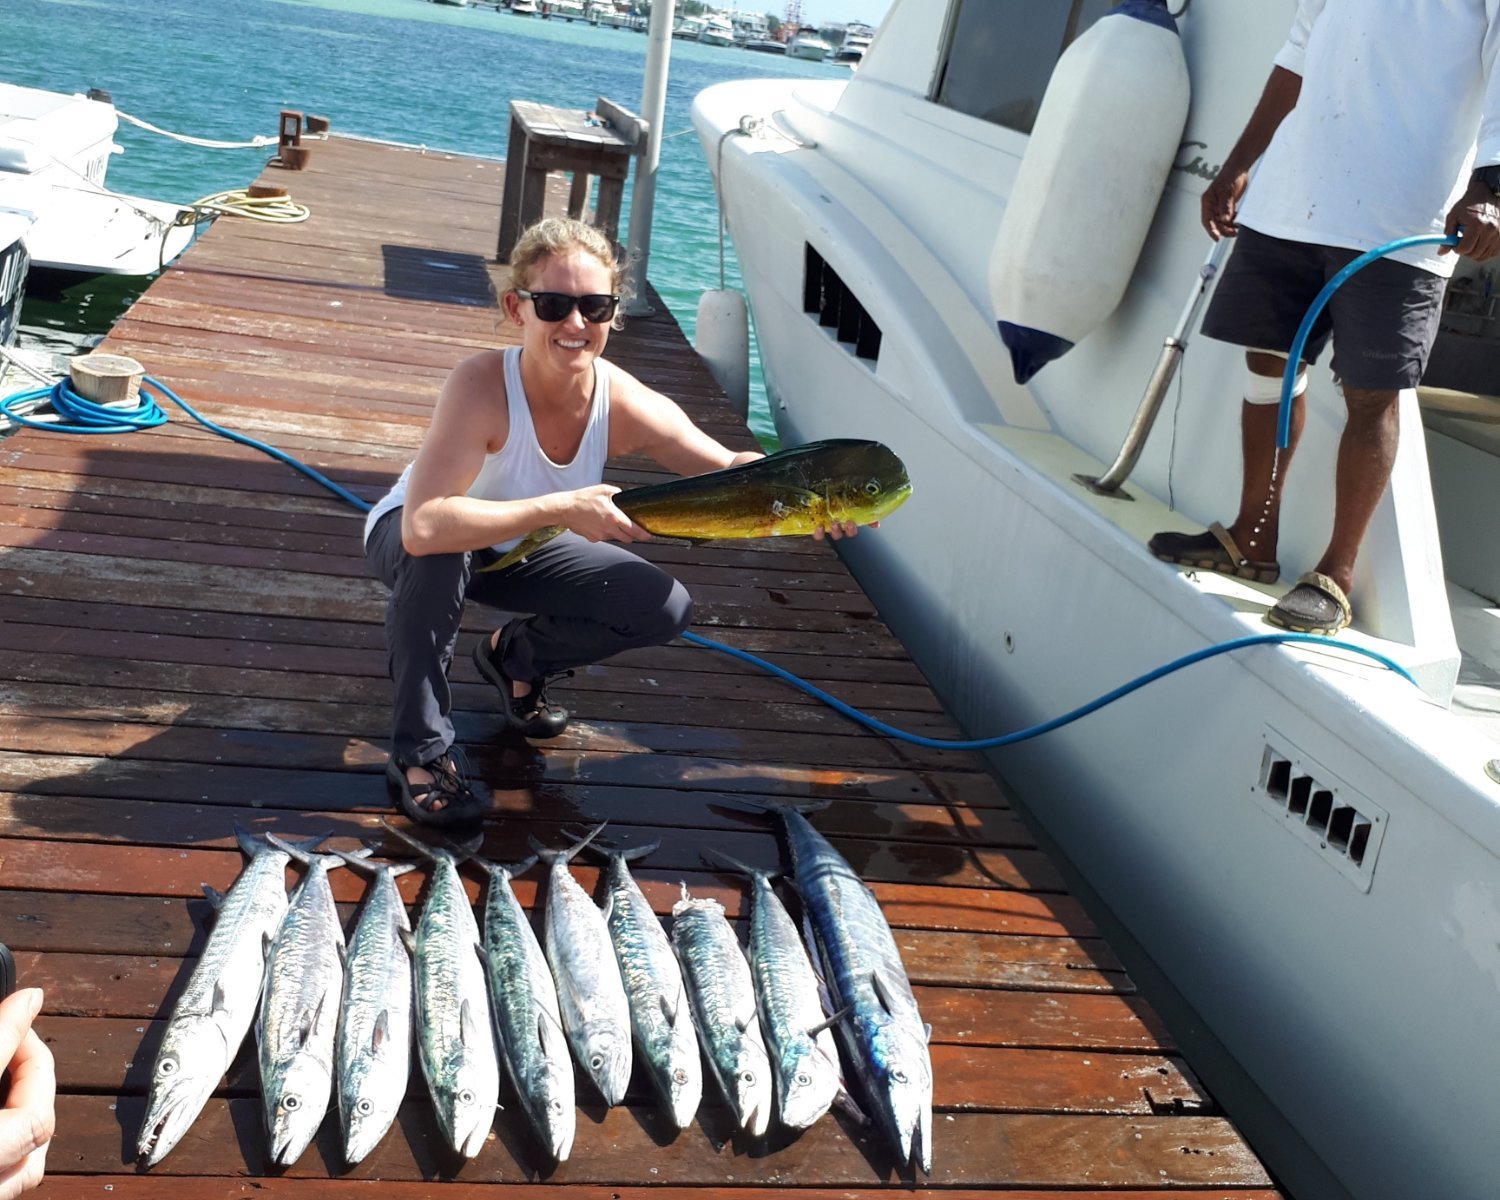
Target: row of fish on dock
[336,1024]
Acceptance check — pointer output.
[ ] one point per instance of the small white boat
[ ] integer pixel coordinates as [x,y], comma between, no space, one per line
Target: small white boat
[454,3]
[766,45]
[807,44]
[688,29]
[54,150]
[852,49]
[566,10]
[525,8]
[716,31]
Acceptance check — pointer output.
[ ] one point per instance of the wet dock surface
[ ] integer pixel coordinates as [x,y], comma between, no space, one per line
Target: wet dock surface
[188,639]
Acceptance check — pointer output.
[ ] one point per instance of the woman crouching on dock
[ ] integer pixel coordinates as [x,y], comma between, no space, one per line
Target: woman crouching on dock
[518,441]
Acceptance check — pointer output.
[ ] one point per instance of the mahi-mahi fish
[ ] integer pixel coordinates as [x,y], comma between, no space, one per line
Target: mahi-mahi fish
[790,1001]
[590,992]
[792,492]
[373,1057]
[455,1038]
[523,999]
[220,1000]
[659,1011]
[723,1004]
[880,1027]
[299,1010]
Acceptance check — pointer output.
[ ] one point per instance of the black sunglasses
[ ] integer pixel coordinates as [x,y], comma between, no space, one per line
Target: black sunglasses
[554,306]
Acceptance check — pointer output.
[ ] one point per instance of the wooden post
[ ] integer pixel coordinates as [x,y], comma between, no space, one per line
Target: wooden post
[106,378]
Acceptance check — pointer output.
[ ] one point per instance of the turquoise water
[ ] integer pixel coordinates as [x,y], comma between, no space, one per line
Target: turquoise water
[404,70]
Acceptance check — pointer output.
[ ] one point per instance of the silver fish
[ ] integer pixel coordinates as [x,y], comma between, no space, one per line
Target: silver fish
[299,1010]
[528,1025]
[790,1001]
[454,1038]
[373,1053]
[590,993]
[219,1002]
[659,1011]
[881,1030]
[723,1002]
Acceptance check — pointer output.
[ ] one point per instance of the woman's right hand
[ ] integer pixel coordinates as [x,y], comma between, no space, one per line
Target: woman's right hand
[591,513]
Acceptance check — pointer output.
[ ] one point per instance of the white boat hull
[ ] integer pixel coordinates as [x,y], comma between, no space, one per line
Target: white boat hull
[1356,984]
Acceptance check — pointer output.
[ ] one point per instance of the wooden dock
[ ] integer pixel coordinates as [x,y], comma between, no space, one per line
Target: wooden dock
[188,638]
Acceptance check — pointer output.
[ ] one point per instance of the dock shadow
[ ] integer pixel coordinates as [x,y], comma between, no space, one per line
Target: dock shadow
[437,276]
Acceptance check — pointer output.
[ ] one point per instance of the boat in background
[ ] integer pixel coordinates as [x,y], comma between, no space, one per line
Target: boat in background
[687,28]
[525,8]
[54,152]
[716,31]
[856,41]
[807,44]
[765,45]
[1303,843]
[566,10]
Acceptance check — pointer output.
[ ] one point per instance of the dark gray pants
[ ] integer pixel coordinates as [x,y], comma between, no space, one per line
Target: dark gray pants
[590,600]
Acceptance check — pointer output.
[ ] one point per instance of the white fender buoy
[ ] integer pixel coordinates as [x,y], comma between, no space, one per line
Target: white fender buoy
[1105,138]
[723,341]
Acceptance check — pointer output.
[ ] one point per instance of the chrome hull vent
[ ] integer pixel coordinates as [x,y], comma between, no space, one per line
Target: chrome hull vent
[1342,826]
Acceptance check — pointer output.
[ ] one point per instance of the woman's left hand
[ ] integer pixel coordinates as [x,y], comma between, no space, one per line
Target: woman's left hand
[840,529]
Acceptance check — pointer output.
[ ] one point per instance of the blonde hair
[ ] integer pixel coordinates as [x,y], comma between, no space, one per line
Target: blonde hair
[560,235]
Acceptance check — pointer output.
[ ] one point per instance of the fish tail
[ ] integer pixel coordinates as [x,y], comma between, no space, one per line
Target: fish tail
[568,854]
[425,849]
[360,861]
[302,852]
[719,859]
[608,849]
[509,870]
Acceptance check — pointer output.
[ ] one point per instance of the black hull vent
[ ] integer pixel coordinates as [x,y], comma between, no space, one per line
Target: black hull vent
[829,300]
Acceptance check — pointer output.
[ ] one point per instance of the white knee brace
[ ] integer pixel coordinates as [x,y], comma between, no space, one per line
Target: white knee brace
[1264,389]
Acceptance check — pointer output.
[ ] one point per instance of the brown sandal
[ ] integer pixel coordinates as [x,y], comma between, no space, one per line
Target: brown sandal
[461,805]
[1214,551]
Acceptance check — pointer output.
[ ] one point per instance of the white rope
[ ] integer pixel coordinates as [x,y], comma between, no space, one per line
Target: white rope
[258,140]
[238,202]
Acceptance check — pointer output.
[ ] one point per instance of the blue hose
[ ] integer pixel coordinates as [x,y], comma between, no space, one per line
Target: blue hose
[78,415]
[1294,356]
[1021,735]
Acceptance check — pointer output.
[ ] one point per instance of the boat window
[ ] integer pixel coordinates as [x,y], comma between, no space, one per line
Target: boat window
[1000,55]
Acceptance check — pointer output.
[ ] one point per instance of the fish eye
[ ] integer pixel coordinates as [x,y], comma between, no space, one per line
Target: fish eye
[364,1107]
[898,1074]
[466,1097]
[802,1079]
[167,1066]
[554,1105]
[596,1063]
[679,1076]
[291,1103]
[747,1077]
[872,488]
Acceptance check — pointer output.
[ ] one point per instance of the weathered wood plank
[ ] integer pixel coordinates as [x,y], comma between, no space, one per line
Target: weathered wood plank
[634,1147]
[114,1055]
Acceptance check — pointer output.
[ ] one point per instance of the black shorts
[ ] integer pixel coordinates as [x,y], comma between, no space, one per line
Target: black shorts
[1383,318]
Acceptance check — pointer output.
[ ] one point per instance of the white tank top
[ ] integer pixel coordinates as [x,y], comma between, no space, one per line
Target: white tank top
[520,469]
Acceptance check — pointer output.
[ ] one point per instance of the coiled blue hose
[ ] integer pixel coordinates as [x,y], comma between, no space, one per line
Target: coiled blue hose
[1294,356]
[78,415]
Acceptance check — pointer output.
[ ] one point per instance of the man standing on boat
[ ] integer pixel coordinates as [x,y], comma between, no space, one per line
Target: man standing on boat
[1379,121]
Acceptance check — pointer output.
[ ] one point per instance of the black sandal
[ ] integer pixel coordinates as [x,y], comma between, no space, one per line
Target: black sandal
[532,714]
[461,805]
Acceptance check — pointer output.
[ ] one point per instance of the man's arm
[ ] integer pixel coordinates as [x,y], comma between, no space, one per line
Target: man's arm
[1222,199]
[1477,213]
